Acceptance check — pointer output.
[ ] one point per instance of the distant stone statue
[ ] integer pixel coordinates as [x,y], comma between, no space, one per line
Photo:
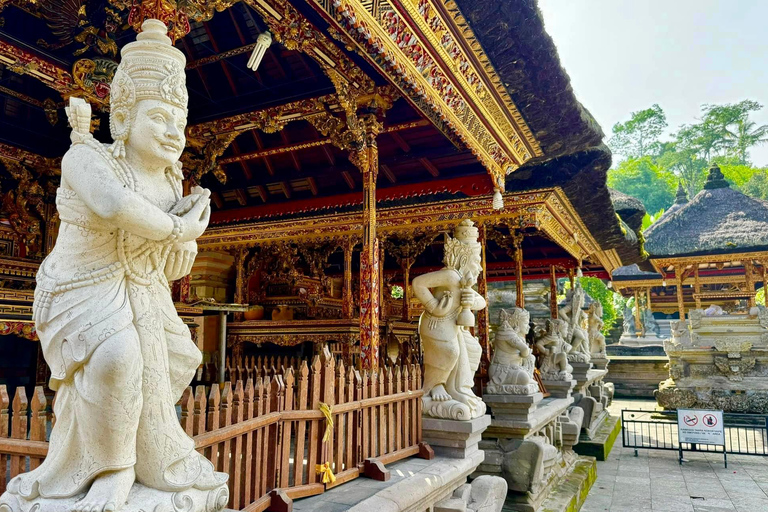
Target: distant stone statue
[513,364]
[451,352]
[650,324]
[120,356]
[595,324]
[554,352]
[576,335]
[629,322]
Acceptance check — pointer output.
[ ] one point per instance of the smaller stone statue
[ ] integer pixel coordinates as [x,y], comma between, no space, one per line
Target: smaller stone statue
[629,322]
[650,324]
[513,364]
[595,324]
[554,352]
[576,335]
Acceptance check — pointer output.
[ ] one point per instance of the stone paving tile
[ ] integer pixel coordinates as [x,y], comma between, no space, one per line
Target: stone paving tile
[655,481]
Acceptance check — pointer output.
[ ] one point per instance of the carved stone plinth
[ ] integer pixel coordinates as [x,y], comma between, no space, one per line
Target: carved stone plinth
[600,363]
[452,438]
[579,373]
[559,388]
[718,362]
[512,407]
[140,499]
[535,455]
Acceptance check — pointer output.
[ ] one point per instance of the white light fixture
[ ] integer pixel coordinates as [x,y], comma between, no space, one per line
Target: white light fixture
[262,43]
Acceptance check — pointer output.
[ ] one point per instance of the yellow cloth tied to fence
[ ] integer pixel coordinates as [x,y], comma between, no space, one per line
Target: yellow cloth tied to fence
[325,469]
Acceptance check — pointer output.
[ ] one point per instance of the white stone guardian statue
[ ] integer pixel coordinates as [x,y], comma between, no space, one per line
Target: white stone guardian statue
[451,352]
[120,356]
[513,364]
[554,352]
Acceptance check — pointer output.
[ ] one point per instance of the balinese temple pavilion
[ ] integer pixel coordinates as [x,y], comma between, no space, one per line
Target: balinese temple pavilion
[710,250]
[363,131]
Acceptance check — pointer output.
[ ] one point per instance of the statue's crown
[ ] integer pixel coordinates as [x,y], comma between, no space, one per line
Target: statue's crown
[151,68]
[466,232]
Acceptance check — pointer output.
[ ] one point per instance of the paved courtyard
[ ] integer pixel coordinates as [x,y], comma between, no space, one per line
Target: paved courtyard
[655,481]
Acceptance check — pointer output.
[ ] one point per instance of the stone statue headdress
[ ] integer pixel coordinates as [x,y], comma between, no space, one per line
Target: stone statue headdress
[513,320]
[151,68]
[463,248]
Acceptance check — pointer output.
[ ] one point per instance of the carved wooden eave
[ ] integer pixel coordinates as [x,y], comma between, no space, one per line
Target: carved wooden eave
[428,51]
[40,164]
[664,263]
[23,62]
[546,210]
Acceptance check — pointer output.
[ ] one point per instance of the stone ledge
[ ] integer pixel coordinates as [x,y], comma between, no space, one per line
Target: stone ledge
[416,485]
[548,409]
[600,445]
[571,492]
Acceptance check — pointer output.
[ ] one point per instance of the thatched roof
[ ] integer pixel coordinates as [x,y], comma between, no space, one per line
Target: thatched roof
[633,272]
[630,209]
[719,220]
[681,199]
[525,58]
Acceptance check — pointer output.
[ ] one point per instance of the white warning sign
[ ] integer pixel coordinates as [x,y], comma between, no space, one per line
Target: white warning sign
[700,426]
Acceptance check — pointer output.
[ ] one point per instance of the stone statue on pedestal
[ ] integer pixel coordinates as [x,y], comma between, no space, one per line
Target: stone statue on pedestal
[554,352]
[513,364]
[595,324]
[576,335]
[451,352]
[120,356]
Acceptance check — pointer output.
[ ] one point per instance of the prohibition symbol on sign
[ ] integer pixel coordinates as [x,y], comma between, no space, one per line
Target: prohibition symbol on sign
[709,420]
[691,421]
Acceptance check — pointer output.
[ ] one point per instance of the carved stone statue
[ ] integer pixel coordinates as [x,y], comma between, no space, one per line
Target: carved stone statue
[629,322]
[120,356]
[451,352]
[554,352]
[513,364]
[595,324]
[650,324]
[576,335]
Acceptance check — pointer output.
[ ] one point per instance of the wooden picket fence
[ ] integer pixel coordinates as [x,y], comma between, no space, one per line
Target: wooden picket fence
[267,432]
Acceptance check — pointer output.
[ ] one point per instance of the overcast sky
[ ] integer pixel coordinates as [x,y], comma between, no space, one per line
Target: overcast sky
[626,55]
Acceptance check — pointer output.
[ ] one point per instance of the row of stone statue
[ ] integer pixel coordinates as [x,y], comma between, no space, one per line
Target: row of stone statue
[573,337]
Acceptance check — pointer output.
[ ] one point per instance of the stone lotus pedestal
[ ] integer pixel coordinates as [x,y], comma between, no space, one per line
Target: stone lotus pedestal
[513,407]
[559,388]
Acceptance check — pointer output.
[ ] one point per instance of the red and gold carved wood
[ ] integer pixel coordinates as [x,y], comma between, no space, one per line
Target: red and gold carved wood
[347,304]
[482,320]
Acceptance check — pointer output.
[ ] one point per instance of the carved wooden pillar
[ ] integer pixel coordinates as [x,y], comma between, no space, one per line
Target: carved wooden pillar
[406,267]
[571,278]
[481,328]
[347,304]
[382,256]
[696,286]
[638,322]
[750,279]
[367,160]
[552,292]
[518,242]
[680,299]
[765,276]
[240,284]
[648,299]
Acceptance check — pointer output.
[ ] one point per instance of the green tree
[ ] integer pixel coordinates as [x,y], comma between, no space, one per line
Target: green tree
[757,186]
[644,179]
[597,289]
[639,136]
[734,132]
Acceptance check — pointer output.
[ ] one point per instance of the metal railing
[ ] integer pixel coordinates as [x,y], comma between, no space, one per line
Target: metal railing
[745,434]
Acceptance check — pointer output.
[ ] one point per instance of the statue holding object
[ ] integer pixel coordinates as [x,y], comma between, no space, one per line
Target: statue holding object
[595,323]
[575,318]
[451,352]
[119,354]
[554,352]
[513,364]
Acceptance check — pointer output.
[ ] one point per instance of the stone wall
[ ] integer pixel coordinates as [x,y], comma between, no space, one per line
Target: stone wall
[637,376]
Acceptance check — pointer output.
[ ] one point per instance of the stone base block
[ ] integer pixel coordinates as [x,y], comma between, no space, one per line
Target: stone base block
[512,407]
[140,499]
[600,363]
[452,438]
[559,388]
[599,445]
[571,491]
[752,401]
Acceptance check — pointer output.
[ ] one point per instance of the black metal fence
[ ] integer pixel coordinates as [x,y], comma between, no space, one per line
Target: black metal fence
[745,434]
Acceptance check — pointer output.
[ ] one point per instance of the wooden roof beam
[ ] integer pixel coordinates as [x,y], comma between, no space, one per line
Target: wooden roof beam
[224,65]
[388,173]
[262,192]
[243,165]
[286,189]
[430,167]
[217,200]
[312,186]
[260,145]
[296,163]
[400,142]
[349,179]
[241,196]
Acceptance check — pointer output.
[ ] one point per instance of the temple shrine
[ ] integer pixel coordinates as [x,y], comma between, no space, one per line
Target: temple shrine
[357,154]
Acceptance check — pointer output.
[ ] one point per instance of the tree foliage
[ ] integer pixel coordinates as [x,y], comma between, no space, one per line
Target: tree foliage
[596,288]
[651,168]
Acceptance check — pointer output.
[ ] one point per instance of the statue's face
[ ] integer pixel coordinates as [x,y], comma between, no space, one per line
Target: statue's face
[157,132]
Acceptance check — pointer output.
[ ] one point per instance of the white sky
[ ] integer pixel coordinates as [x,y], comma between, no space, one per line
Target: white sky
[625,55]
